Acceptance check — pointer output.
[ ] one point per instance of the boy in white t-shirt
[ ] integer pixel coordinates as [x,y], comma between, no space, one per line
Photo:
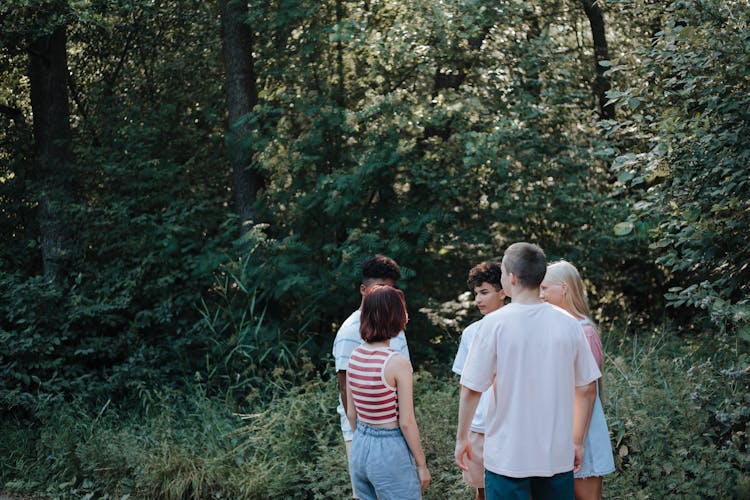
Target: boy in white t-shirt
[484,280]
[376,270]
[544,386]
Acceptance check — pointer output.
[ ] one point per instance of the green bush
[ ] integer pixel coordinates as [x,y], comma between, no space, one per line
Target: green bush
[687,173]
[678,420]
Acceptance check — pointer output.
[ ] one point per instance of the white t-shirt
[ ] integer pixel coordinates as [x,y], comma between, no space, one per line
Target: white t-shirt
[467,338]
[537,354]
[347,339]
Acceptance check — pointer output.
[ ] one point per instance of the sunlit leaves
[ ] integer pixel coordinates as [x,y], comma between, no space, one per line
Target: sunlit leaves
[695,98]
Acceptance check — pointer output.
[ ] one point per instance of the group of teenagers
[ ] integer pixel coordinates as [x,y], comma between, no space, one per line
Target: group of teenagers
[530,417]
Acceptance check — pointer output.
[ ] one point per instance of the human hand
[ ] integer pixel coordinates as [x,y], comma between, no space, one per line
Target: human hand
[424,476]
[577,457]
[463,448]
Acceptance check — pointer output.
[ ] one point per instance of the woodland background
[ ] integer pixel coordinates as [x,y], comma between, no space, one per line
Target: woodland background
[188,187]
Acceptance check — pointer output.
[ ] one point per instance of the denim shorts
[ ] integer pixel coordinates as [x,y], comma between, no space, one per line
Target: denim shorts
[597,450]
[382,466]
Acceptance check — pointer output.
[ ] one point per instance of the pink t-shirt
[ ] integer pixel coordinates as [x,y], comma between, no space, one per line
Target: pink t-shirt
[595,343]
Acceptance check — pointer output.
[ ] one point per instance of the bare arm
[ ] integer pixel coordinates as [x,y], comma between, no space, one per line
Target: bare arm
[341,377]
[467,406]
[583,406]
[351,411]
[400,369]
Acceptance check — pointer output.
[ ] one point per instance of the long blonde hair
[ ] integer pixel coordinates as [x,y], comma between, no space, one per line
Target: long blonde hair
[575,300]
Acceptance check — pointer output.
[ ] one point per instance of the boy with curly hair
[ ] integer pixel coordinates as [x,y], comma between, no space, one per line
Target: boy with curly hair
[484,281]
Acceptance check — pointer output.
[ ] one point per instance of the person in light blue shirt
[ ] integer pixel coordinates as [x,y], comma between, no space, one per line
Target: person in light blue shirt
[484,281]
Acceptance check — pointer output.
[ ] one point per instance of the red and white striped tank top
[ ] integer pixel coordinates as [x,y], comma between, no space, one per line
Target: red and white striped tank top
[374,399]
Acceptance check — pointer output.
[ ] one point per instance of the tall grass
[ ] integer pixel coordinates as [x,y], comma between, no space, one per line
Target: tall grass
[679,417]
[678,420]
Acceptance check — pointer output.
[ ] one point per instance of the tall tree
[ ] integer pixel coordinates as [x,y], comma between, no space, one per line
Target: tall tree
[601,53]
[242,96]
[48,71]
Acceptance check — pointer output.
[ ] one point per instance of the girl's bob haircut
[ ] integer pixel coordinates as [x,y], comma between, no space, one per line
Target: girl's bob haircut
[383,314]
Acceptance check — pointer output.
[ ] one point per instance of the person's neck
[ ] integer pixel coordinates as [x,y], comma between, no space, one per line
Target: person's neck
[382,343]
[526,296]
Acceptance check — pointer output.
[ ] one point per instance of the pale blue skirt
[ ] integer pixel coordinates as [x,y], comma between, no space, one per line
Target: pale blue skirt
[597,453]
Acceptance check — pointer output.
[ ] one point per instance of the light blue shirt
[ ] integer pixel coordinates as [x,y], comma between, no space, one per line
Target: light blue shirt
[467,338]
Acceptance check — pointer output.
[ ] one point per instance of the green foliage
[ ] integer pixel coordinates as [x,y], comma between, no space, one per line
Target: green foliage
[175,450]
[679,421]
[434,132]
[429,152]
[248,357]
[150,219]
[688,110]
[380,128]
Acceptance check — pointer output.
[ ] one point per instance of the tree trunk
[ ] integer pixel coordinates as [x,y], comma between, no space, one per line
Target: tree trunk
[48,70]
[242,96]
[601,53]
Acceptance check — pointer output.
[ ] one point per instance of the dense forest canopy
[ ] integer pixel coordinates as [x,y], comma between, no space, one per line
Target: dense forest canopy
[187,188]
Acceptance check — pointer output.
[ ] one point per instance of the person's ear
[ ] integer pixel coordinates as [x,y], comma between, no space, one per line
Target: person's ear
[564,287]
[362,289]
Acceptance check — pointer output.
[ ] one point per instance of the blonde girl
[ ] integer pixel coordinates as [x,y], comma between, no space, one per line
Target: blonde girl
[563,287]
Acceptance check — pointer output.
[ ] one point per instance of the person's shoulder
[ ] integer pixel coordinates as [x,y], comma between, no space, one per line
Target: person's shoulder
[509,312]
[400,337]
[399,361]
[350,327]
[589,329]
[468,335]
[353,319]
[562,320]
[560,313]
[472,328]
[399,343]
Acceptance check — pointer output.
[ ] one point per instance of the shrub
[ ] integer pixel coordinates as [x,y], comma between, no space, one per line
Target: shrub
[678,419]
[688,111]
[679,422]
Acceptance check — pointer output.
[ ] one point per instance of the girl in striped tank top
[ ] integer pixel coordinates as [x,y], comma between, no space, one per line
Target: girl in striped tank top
[387,461]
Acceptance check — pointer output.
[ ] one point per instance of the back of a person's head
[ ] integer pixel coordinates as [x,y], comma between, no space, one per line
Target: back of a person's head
[383,313]
[527,263]
[488,271]
[380,267]
[576,299]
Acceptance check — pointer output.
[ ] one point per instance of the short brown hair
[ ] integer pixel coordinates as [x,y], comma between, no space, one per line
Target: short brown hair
[488,271]
[383,314]
[527,263]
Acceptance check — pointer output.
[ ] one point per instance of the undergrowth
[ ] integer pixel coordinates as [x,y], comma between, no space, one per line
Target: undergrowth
[678,420]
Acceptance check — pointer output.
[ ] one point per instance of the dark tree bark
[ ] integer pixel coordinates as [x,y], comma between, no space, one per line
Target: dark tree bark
[48,71]
[242,96]
[601,53]
[14,114]
[531,82]
[340,90]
